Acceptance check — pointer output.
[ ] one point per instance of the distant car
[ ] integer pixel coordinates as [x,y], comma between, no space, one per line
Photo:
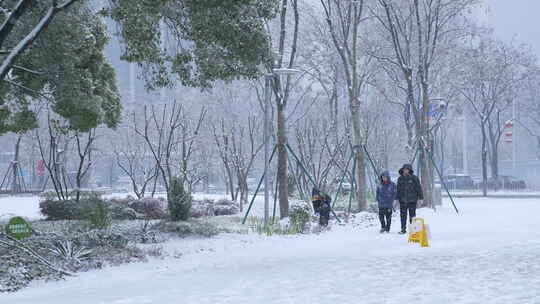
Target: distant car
[506,182]
[459,181]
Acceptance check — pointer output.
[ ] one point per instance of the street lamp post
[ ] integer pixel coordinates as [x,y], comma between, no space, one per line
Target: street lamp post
[268,79]
[266,134]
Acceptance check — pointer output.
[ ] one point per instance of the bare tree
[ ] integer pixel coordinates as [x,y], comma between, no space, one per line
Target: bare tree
[159,131]
[418,31]
[318,153]
[489,75]
[84,142]
[171,134]
[287,45]
[238,145]
[344,19]
[530,119]
[223,142]
[133,158]
[53,153]
[189,138]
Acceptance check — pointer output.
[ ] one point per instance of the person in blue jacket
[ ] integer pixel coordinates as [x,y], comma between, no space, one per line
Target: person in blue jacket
[386,195]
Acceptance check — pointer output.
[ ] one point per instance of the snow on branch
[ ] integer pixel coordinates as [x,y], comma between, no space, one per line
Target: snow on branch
[9,60]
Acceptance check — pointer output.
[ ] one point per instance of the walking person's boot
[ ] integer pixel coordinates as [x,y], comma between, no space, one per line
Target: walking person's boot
[382,220]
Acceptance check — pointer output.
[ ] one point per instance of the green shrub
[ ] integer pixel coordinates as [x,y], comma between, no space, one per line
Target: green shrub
[71,210]
[60,210]
[98,214]
[179,201]
[300,216]
[256,224]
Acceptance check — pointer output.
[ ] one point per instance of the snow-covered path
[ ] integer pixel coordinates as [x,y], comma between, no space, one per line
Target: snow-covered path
[490,253]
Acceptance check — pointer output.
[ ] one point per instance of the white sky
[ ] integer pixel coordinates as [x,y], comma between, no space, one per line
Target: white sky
[516,19]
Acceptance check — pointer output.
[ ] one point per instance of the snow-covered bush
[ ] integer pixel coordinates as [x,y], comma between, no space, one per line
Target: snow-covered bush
[214,208]
[179,200]
[71,210]
[147,207]
[225,207]
[60,210]
[148,234]
[300,217]
[188,228]
[121,212]
[151,208]
[103,238]
[71,251]
[75,247]
[202,208]
[18,269]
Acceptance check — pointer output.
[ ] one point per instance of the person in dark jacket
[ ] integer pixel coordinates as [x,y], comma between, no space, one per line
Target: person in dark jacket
[321,205]
[409,192]
[386,195]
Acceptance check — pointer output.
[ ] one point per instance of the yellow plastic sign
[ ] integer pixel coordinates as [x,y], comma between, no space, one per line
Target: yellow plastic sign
[419,232]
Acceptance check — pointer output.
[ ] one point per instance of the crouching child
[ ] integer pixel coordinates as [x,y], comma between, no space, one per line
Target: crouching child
[321,205]
[386,195]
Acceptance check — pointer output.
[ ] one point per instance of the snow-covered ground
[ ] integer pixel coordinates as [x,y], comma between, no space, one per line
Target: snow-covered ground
[490,253]
[27,206]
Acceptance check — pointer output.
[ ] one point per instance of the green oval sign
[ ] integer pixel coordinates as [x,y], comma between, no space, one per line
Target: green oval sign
[18,228]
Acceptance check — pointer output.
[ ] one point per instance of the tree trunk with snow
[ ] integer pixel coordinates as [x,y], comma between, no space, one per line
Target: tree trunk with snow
[283,175]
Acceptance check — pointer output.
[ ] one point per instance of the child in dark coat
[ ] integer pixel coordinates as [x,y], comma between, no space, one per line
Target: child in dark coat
[386,195]
[321,205]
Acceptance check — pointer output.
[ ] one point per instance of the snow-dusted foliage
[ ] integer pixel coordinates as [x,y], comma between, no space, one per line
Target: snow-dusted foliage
[73,246]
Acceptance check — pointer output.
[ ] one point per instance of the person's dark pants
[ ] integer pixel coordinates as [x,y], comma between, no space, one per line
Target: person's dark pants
[403,208]
[324,215]
[385,216]
[324,218]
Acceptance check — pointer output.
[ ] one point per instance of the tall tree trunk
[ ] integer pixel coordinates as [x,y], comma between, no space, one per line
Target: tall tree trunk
[282,162]
[244,193]
[484,161]
[494,155]
[230,182]
[15,186]
[407,113]
[495,163]
[361,183]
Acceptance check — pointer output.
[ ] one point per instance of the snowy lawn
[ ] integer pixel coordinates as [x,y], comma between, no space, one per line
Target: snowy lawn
[27,206]
[490,253]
